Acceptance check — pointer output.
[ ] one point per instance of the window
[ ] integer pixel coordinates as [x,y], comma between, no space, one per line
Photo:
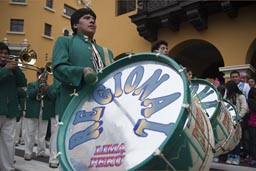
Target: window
[66,33]
[49,3]
[125,6]
[17,25]
[47,29]
[68,10]
[15,52]
[18,0]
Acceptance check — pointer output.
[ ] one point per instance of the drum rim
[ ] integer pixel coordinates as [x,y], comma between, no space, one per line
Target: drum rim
[61,134]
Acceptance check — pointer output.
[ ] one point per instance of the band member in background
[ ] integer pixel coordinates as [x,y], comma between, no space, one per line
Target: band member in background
[11,77]
[39,108]
[53,160]
[20,130]
[77,58]
[160,46]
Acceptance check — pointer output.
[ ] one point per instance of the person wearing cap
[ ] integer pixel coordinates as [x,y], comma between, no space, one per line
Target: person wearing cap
[160,46]
[76,59]
[11,77]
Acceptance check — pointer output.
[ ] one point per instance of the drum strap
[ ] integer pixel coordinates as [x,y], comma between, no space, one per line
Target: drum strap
[106,56]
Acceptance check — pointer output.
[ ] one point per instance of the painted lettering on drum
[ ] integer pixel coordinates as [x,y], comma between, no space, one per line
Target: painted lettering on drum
[84,116]
[108,155]
[151,84]
[199,127]
[106,161]
[226,122]
[118,84]
[133,79]
[158,104]
[109,149]
[143,124]
[91,132]
[200,95]
[104,96]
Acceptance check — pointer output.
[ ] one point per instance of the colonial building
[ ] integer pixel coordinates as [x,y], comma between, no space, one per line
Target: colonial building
[35,24]
[206,36]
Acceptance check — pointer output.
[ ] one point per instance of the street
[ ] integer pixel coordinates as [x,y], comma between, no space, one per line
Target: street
[41,164]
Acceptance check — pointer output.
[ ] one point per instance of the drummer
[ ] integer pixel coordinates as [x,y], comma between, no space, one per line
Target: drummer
[78,55]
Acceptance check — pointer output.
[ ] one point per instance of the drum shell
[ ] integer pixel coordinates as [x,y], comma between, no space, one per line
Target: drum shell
[221,120]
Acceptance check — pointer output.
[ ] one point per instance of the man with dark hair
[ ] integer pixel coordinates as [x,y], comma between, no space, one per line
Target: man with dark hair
[77,58]
[11,77]
[160,46]
[244,87]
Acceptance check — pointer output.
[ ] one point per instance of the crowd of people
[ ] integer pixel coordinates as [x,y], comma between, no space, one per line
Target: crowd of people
[241,93]
[75,61]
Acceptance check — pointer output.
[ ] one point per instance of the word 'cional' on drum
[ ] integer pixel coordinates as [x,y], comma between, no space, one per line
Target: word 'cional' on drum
[211,101]
[138,116]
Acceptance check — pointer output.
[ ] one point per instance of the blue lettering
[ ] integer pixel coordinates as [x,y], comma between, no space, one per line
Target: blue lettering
[94,115]
[102,95]
[158,104]
[151,84]
[88,134]
[143,124]
[131,82]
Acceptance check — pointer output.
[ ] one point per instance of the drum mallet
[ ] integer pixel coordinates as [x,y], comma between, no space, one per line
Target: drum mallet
[90,78]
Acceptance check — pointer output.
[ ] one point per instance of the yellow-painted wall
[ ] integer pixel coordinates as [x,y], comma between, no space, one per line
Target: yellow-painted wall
[232,37]
[35,15]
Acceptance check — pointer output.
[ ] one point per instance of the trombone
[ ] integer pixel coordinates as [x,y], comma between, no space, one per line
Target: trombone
[27,59]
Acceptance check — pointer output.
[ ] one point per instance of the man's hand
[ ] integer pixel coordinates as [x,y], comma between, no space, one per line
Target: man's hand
[90,76]
[11,65]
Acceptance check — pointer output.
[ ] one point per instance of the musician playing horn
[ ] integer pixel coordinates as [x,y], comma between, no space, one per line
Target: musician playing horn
[40,103]
[77,58]
[11,77]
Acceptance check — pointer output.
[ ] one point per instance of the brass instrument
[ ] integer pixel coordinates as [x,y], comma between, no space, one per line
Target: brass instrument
[42,81]
[26,59]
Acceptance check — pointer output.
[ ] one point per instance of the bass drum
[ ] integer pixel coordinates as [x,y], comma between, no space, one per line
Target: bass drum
[210,99]
[138,116]
[237,135]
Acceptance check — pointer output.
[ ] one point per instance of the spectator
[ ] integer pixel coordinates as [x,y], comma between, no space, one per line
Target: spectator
[160,46]
[236,97]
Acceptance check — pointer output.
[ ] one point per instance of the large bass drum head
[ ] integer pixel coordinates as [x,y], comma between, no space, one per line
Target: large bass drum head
[131,113]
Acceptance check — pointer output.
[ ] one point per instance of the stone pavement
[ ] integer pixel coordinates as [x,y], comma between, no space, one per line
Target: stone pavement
[41,163]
